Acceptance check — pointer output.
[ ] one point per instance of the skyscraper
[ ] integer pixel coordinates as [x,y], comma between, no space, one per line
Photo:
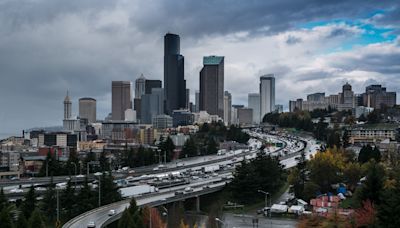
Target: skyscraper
[347,98]
[151,84]
[197,100]
[87,109]
[121,96]
[254,103]
[267,94]
[67,107]
[140,86]
[174,81]
[227,108]
[152,105]
[212,85]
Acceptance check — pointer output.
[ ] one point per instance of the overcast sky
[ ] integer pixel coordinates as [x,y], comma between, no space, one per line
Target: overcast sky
[48,47]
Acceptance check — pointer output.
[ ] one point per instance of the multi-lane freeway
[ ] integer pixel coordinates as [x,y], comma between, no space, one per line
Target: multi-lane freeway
[288,153]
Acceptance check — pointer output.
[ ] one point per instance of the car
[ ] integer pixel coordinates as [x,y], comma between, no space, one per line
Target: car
[111,212]
[14,178]
[80,176]
[155,169]
[188,189]
[179,192]
[91,224]
[16,190]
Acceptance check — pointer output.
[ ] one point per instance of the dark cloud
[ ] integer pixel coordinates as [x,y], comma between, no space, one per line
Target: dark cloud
[49,46]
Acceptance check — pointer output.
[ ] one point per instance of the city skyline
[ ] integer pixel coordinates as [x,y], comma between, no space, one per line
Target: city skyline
[357,46]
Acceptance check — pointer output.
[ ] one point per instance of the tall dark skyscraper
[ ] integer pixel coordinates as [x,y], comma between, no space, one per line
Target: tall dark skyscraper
[151,84]
[174,81]
[212,85]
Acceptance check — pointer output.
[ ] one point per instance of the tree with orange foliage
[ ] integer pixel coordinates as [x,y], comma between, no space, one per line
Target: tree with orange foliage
[365,216]
[156,221]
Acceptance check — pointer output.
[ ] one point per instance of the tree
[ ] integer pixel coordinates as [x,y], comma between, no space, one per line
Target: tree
[21,222]
[126,220]
[212,147]
[103,160]
[373,185]
[388,210]
[156,220]
[29,203]
[345,139]
[310,190]
[352,173]
[366,215]
[109,190]
[85,198]
[367,153]
[189,148]
[325,168]
[49,203]
[68,200]
[135,213]
[168,147]
[3,200]
[263,173]
[5,219]
[36,221]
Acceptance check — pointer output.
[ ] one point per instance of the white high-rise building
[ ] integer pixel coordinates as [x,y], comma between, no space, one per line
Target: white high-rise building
[267,94]
[140,87]
[227,108]
[254,103]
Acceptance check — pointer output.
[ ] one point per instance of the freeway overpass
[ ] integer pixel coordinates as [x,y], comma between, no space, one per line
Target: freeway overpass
[100,215]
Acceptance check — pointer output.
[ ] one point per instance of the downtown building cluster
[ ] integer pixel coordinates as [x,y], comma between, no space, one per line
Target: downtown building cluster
[374,97]
[143,113]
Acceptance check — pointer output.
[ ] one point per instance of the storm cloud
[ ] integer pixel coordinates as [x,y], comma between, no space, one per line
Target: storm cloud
[48,47]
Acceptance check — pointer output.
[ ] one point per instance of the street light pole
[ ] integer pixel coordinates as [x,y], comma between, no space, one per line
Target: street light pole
[99,192]
[220,221]
[266,196]
[58,206]
[75,172]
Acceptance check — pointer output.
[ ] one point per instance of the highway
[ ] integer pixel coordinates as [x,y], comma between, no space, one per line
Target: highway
[293,145]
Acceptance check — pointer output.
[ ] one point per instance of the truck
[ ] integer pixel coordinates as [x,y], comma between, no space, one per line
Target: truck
[137,190]
[211,168]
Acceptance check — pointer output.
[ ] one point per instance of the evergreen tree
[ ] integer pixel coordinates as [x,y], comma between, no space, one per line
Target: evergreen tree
[104,164]
[189,148]
[373,185]
[367,153]
[388,210]
[5,219]
[168,147]
[21,222]
[85,198]
[29,203]
[36,221]
[126,220]
[212,147]
[136,214]
[68,200]
[109,190]
[49,203]
[3,200]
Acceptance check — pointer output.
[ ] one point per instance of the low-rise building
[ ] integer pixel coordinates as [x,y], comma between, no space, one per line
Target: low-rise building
[372,133]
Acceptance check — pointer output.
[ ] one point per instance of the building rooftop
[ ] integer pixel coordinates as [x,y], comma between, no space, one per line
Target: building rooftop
[212,60]
[379,126]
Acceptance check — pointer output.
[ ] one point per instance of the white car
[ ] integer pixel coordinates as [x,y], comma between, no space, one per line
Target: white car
[111,212]
[16,190]
[80,176]
[91,224]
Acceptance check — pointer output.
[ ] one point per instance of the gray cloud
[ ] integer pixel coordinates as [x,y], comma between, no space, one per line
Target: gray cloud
[49,46]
